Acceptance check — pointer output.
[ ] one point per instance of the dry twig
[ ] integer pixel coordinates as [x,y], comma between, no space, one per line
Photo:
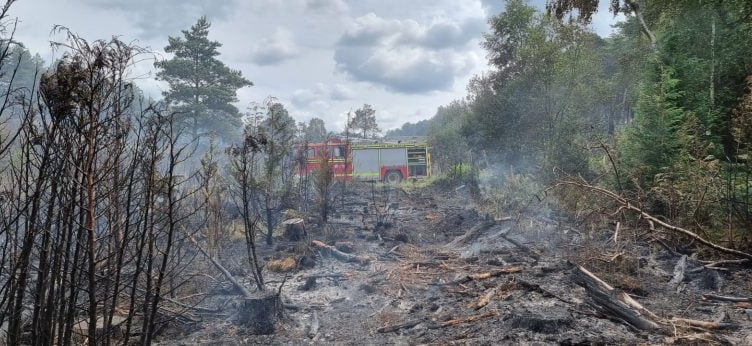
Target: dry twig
[652,220]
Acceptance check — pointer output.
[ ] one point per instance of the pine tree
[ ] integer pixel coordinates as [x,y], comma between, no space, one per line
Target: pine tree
[365,121]
[652,145]
[315,131]
[202,88]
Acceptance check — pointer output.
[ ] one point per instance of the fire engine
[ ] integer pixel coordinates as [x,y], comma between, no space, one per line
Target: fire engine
[387,162]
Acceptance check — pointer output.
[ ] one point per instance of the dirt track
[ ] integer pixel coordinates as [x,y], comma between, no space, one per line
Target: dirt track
[440,273]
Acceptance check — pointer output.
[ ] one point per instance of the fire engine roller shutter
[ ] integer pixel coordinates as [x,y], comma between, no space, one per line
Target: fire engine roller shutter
[365,163]
[394,157]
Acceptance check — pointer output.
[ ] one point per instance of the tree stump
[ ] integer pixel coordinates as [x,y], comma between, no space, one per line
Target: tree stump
[294,229]
[260,312]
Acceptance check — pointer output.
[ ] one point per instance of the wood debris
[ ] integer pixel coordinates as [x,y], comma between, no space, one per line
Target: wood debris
[345,257]
[486,275]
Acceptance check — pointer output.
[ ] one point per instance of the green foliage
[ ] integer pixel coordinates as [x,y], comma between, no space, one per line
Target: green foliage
[509,32]
[460,176]
[651,144]
[448,146]
[541,101]
[653,111]
[20,67]
[323,181]
[738,173]
[315,131]
[279,130]
[274,182]
[462,172]
[508,191]
[365,121]
[407,129]
[685,150]
[567,154]
[202,88]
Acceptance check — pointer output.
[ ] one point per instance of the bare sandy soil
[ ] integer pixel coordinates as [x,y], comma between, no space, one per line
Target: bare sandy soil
[440,273]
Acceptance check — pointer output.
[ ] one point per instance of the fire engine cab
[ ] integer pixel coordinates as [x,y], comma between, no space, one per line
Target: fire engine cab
[387,162]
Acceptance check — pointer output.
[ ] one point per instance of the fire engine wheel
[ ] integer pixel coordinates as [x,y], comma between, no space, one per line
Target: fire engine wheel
[393,177]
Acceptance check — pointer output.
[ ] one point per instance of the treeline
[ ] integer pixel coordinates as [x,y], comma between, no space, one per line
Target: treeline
[659,111]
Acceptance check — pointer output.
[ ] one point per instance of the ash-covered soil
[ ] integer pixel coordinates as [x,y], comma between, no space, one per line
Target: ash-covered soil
[440,272]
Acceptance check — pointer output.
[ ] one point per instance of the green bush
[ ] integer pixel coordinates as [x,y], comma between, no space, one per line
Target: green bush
[458,175]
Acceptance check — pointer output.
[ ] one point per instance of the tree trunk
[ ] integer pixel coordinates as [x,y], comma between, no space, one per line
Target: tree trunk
[712,64]
[635,7]
[269,225]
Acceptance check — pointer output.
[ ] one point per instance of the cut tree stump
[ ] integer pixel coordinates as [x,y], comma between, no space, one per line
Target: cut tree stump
[259,312]
[294,229]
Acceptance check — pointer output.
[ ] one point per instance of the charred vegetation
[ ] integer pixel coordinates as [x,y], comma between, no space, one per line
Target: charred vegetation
[582,193]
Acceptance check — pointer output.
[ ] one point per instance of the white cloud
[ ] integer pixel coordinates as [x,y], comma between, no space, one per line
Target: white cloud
[372,29]
[446,33]
[276,48]
[320,92]
[303,97]
[158,18]
[405,56]
[341,92]
[333,7]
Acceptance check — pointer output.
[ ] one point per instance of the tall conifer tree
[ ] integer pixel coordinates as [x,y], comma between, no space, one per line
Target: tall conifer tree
[202,88]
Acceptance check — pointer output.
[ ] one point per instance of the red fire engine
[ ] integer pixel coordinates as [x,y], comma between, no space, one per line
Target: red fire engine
[387,162]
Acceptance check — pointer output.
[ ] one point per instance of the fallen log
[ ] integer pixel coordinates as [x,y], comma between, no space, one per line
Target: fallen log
[620,306]
[344,257]
[705,338]
[623,296]
[396,327]
[704,324]
[713,264]
[726,298]
[472,233]
[522,247]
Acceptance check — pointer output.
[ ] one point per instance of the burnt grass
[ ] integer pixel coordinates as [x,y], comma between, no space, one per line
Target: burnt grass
[424,283]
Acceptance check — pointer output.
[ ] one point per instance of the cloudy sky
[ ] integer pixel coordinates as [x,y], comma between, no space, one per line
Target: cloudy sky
[321,58]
